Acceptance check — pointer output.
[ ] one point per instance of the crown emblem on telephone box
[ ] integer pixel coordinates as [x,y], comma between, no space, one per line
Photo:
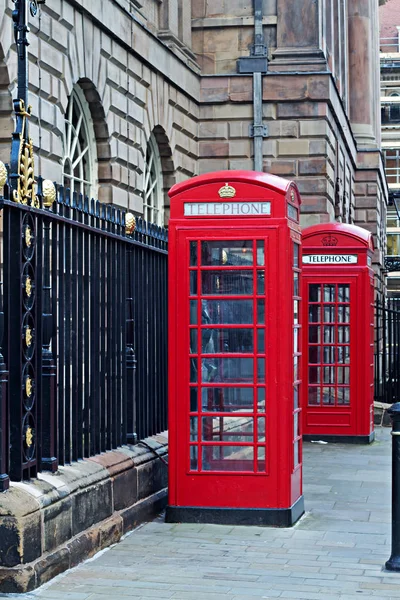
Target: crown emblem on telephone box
[227,191]
[329,240]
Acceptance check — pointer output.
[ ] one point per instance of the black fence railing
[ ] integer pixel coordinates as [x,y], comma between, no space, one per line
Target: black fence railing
[387,350]
[83,332]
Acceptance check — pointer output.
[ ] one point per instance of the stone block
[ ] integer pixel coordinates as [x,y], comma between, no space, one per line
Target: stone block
[17,580]
[214,130]
[152,477]
[125,489]
[144,511]
[90,506]
[57,524]
[111,531]
[293,147]
[312,166]
[283,168]
[51,565]
[289,110]
[21,539]
[316,185]
[213,149]
[84,546]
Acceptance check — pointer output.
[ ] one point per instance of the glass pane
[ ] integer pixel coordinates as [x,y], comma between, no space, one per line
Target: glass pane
[314,292]
[329,375]
[314,396]
[314,313]
[329,335]
[344,314]
[343,395]
[329,313]
[328,395]
[261,399]
[228,429]
[229,253]
[193,429]
[193,312]
[343,354]
[295,368]
[261,341]
[193,254]
[193,370]
[296,425]
[329,293]
[193,399]
[296,397]
[260,283]
[260,253]
[193,341]
[295,340]
[227,282]
[228,312]
[261,370]
[296,453]
[227,399]
[261,458]
[344,375]
[295,311]
[314,374]
[343,293]
[296,284]
[227,370]
[227,340]
[344,334]
[314,354]
[261,429]
[228,458]
[314,334]
[260,312]
[193,283]
[194,465]
[295,255]
[329,354]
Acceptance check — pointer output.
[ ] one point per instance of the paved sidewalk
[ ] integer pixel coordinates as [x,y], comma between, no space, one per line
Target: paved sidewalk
[337,550]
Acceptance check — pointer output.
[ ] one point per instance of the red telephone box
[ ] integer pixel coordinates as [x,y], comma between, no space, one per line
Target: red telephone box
[234,356]
[338,334]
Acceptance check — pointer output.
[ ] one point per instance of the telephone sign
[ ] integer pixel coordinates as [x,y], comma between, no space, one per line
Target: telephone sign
[338,334]
[234,350]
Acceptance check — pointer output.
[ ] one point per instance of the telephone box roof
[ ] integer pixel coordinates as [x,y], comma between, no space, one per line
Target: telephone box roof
[353,231]
[272,182]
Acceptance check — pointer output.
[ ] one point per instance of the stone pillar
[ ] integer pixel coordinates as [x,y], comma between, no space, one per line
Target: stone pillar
[362,65]
[169,19]
[299,36]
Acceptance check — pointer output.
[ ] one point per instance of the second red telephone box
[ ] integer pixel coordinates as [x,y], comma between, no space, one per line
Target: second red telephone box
[338,334]
[234,354]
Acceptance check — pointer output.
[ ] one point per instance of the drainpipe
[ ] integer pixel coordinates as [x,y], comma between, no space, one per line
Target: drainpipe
[256,64]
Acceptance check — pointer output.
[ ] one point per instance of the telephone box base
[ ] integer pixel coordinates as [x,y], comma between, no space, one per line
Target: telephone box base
[273,517]
[341,439]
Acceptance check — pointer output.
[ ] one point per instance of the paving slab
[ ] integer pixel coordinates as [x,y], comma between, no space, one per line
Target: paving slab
[336,551]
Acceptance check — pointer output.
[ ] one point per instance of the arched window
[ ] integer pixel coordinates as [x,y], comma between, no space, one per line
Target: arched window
[79,162]
[152,188]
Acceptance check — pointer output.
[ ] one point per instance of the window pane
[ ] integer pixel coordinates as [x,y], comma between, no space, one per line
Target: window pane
[261,399]
[329,335]
[329,313]
[193,458]
[314,293]
[261,370]
[227,370]
[227,282]
[228,429]
[260,283]
[296,396]
[227,399]
[295,255]
[314,354]
[343,354]
[329,375]
[260,253]
[314,334]
[193,312]
[344,334]
[227,340]
[193,341]
[193,370]
[314,396]
[329,293]
[343,293]
[193,283]
[261,458]
[314,313]
[228,458]
[193,254]
[193,399]
[261,341]
[343,314]
[328,395]
[260,312]
[296,284]
[227,312]
[261,429]
[329,354]
[194,429]
[227,253]
[314,374]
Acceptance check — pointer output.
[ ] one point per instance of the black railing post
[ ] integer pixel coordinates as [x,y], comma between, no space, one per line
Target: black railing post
[393,564]
[49,462]
[4,433]
[130,374]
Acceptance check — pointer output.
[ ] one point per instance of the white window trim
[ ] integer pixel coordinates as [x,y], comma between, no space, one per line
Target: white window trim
[152,184]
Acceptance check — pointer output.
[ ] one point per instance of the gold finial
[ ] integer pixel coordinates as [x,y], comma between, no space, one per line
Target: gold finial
[130,223]
[28,336]
[28,236]
[49,193]
[28,387]
[227,191]
[28,286]
[3,174]
[29,437]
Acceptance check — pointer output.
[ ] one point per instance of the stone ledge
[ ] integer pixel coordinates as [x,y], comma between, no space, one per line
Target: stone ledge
[51,524]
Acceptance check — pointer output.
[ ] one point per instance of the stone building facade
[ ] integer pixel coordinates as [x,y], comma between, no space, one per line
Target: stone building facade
[131,96]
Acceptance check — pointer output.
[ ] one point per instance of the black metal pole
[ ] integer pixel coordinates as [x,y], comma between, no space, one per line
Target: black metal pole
[393,564]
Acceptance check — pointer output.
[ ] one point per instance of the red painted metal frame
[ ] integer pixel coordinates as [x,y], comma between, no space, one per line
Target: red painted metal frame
[279,483]
[352,421]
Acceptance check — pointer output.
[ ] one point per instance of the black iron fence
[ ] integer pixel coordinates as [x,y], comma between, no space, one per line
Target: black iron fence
[83,330]
[387,350]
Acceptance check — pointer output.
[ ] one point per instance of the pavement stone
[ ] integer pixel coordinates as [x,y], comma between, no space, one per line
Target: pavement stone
[337,551]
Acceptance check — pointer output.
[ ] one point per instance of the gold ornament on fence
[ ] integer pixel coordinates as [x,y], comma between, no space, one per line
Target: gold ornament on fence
[49,193]
[28,387]
[28,236]
[28,286]
[28,336]
[3,174]
[29,437]
[130,223]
